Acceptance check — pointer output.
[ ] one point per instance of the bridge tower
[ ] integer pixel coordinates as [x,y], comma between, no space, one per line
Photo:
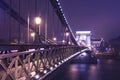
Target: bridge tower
[83,38]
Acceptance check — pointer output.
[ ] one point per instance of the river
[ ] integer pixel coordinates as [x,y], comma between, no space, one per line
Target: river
[105,69]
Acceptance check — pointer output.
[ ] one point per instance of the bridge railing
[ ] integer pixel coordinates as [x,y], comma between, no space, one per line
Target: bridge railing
[27,64]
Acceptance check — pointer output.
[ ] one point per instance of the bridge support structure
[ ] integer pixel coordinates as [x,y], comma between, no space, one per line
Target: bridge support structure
[27,65]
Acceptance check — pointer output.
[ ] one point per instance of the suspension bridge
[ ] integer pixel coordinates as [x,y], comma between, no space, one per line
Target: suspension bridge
[35,39]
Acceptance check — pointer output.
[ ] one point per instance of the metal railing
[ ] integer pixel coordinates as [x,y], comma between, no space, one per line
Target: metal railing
[26,65]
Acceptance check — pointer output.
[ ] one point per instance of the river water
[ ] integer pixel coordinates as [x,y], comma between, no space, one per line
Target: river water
[105,69]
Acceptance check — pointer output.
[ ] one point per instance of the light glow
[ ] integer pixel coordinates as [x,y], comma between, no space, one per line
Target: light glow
[55,65]
[67,33]
[59,63]
[45,71]
[58,3]
[14,51]
[31,50]
[37,76]
[51,68]
[38,20]
[54,38]
[32,34]
[83,32]
[69,42]
[63,41]
[83,54]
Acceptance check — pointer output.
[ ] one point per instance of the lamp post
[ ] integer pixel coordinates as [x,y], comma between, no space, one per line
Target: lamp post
[28,27]
[63,41]
[54,39]
[67,36]
[38,21]
[33,35]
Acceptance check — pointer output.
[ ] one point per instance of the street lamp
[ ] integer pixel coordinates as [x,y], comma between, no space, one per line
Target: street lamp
[69,42]
[38,21]
[67,36]
[54,38]
[63,41]
[33,35]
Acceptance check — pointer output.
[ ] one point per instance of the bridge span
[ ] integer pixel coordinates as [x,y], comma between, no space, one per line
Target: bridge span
[35,63]
[36,40]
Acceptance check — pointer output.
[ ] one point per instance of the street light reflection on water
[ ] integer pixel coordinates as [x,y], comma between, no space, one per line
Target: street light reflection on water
[105,69]
[82,72]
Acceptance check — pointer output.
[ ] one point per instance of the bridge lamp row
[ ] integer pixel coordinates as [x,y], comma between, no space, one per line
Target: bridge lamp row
[62,11]
[37,76]
[51,68]
[45,71]
[56,65]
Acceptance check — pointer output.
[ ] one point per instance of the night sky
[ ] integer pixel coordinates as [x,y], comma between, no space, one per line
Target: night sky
[102,17]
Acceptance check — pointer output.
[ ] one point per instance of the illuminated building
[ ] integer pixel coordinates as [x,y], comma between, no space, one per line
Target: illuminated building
[83,38]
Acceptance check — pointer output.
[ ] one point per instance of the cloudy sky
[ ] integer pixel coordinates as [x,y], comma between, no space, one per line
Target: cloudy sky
[102,17]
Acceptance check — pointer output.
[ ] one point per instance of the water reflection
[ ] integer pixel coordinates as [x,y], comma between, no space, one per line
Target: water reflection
[106,69]
[92,72]
[82,72]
